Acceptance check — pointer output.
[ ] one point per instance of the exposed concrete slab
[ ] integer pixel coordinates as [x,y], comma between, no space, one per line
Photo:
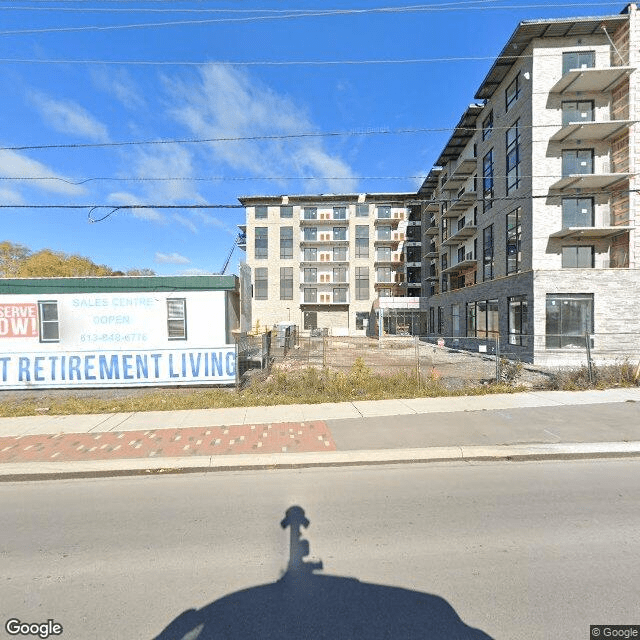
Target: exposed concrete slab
[371,408]
[330,411]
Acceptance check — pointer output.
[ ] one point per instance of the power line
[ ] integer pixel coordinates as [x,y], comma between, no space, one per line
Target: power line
[289,16]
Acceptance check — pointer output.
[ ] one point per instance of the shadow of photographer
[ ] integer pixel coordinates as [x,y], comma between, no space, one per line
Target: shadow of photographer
[303,604]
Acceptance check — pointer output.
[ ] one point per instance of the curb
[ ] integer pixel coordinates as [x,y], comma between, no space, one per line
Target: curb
[11,472]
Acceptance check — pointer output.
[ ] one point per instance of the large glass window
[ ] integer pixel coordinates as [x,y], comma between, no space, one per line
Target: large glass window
[577,111]
[339,274]
[177,318]
[286,283]
[310,295]
[286,211]
[471,319]
[362,241]
[487,253]
[310,254]
[339,233]
[512,93]
[577,212]
[310,213]
[261,212]
[339,213]
[362,320]
[384,233]
[577,161]
[286,242]
[569,318]
[261,288]
[262,243]
[310,274]
[310,319]
[487,126]
[514,241]
[383,274]
[577,257]
[384,211]
[310,234]
[513,157]
[383,254]
[339,254]
[518,320]
[362,283]
[340,294]
[362,211]
[49,321]
[578,60]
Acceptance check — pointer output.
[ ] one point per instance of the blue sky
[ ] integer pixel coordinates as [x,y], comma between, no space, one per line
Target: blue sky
[83,98]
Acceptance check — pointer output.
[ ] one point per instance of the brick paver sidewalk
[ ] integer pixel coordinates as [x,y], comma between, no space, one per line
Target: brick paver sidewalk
[193,441]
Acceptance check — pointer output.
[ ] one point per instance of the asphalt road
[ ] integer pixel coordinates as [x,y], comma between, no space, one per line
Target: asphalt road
[501,550]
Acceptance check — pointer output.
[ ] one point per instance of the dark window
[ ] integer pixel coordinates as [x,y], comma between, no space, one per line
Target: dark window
[518,320]
[339,274]
[310,295]
[261,212]
[577,257]
[432,320]
[514,241]
[569,318]
[578,60]
[383,274]
[339,213]
[440,320]
[261,288]
[487,253]
[49,321]
[362,283]
[286,242]
[577,111]
[310,274]
[177,318]
[362,210]
[286,211]
[286,283]
[513,157]
[384,211]
[262,243]
[310,213]
[384,233]
[362,241]
[362,320]
[512,92]
[487,126]
[577,161]
[487,180]
[310,320]
[471,319]
[384,254]
[577,212]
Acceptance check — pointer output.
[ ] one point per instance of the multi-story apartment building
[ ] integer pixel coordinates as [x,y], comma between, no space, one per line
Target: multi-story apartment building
[531,213]
[326,261]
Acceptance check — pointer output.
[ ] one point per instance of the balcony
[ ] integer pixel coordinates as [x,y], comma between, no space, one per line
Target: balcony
[394,259]
[323,299]
[432,229]
[461,234]
[591,80]
[589,181]
[433,206]
[466,200]
[414,223]
[432,252]
[585,233]
[578,132]
[469,261]
[461,173]
[396,236]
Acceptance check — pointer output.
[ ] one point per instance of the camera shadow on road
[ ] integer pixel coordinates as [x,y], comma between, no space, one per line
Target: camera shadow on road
[307,604]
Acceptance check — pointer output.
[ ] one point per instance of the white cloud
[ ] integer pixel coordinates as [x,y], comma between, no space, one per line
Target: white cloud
[229,103]
[170,258]
[185,222]
[9,196]
[68,117]
[119,84]
[212,221]
[124,198]
[16,165]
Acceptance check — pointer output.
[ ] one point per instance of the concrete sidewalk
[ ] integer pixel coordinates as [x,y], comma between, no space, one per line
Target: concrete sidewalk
[510,426]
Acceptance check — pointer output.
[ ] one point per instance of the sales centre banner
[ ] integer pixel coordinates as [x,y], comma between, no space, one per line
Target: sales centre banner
[118,368]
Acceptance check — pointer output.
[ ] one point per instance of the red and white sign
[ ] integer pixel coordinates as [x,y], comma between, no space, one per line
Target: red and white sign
[18,320]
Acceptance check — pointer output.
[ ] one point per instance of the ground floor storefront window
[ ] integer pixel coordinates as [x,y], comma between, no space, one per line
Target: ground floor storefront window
[569,316]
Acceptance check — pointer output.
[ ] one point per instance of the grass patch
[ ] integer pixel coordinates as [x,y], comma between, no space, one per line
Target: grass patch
[308,386]
[602,377]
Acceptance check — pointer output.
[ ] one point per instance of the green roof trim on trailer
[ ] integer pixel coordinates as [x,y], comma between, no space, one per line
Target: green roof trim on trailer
[117,284]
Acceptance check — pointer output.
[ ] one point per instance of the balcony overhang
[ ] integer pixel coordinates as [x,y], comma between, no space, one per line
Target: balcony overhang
[579,233]
[432,231]
[591,80]
[466,200]
[591,131]
[431,254]
[589,181]
[460,235]
[459,266]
